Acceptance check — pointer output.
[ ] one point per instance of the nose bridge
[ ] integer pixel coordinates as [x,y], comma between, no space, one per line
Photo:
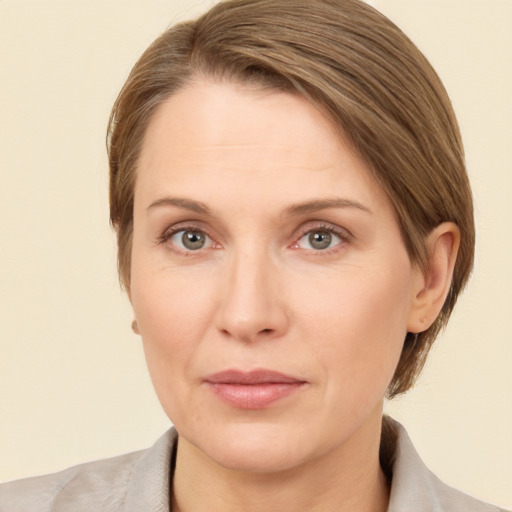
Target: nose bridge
[251,304]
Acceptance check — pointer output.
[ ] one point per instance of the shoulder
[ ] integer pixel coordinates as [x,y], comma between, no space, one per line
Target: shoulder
[107,485]
[78,485]
[415,487]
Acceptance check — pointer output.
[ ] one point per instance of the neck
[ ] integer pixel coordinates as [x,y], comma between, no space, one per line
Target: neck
[347,478]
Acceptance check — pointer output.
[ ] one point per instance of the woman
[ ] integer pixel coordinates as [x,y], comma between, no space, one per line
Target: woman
[294,224]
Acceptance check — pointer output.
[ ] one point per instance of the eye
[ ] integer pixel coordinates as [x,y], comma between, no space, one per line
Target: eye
[319,240]
[190,240]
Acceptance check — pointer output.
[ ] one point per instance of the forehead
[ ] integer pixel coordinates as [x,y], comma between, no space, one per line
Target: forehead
[245,139]
[206,115]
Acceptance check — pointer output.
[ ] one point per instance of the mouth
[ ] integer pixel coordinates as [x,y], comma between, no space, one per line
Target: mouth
[255,389]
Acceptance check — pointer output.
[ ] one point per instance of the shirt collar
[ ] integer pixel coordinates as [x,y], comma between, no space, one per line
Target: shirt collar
[149,485]
[413,485]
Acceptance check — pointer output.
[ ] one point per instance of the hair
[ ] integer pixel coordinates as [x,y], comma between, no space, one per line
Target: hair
[364,74]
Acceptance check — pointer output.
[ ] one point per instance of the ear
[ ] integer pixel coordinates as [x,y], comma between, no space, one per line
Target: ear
[431,286]
[135,327]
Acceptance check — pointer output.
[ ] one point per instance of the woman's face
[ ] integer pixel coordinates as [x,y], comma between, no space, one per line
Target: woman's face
[269,279]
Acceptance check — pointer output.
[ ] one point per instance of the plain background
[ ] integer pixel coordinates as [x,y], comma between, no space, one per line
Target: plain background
[74,385]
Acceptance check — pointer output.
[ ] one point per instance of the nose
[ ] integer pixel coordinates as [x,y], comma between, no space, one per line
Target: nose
[251,305]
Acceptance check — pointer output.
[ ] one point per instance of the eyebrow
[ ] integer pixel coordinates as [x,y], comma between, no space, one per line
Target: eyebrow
[292,210]
[322,204]
[180,202]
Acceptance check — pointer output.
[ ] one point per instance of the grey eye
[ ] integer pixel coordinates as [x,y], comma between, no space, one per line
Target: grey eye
[190,240]
[193,240]
[320,239]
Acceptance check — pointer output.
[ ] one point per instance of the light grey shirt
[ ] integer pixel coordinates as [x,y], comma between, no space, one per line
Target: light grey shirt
[140,482]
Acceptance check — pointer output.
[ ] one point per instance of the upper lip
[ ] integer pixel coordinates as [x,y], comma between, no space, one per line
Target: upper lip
[259,376]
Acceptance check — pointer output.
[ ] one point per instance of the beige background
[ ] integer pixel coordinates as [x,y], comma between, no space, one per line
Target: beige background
[73,381]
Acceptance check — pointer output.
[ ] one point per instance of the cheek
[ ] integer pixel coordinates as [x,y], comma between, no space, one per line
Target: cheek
[171,327]
[358,327]
[171,306]
[173,311]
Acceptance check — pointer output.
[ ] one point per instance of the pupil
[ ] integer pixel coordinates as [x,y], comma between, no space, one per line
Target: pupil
[193,240]
[320,239]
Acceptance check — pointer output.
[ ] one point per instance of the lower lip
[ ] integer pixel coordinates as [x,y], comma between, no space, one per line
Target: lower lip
[254,396]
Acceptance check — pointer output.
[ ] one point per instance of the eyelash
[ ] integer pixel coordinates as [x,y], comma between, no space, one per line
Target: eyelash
[342,234]
[170,232]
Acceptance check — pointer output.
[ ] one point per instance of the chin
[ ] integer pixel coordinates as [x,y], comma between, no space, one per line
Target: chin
[255,448]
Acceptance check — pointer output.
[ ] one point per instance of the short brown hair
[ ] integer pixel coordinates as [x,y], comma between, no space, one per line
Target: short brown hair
[366,76]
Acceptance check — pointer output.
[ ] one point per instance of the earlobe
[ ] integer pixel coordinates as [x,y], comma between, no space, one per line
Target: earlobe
[434,283]
[135,327]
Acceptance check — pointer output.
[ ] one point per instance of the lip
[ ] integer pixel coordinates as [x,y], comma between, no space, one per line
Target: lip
[256,389]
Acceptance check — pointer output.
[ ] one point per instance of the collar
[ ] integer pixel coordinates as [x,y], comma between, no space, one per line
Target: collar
[413,485]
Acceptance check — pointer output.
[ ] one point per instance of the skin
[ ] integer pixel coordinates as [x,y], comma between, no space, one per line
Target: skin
[259,294]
